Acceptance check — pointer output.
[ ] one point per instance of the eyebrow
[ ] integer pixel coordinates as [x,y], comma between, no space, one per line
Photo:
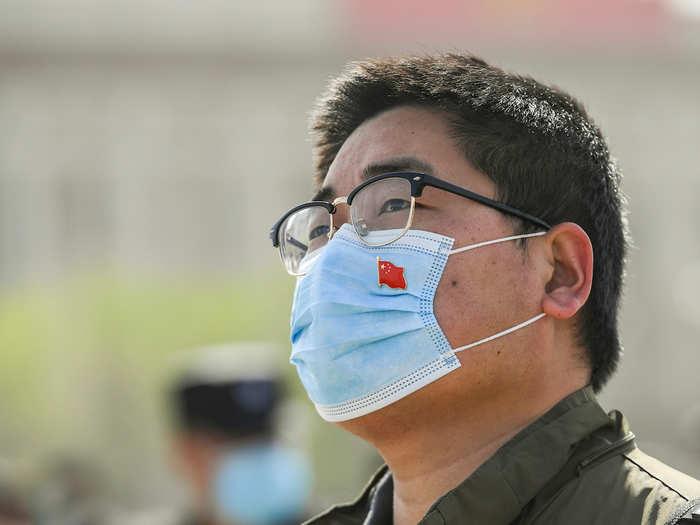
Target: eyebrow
[392,165]
[397,164]
[327,193]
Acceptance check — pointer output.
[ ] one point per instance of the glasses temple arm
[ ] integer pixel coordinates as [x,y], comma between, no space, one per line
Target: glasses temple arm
[486,201]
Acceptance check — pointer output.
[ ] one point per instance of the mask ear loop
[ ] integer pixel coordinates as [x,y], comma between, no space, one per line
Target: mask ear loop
[501,334]
[513,328]
[495,241]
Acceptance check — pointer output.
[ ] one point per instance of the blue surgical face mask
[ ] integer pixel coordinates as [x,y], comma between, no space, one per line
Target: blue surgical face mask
[261,484]
[359,345]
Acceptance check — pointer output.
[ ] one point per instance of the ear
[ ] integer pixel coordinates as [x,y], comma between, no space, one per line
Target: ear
[570,254]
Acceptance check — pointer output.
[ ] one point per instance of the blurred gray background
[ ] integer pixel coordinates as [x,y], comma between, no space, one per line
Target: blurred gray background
[144,145]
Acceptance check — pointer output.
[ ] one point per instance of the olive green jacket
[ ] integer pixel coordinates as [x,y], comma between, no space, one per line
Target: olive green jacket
[575,465]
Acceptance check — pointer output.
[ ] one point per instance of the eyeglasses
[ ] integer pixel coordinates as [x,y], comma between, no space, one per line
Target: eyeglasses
[381,212]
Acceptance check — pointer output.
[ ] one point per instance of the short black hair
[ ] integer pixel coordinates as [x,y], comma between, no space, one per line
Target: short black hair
[538,145]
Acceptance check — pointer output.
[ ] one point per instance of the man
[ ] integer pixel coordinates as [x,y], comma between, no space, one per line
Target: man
[459,272]
[225,445]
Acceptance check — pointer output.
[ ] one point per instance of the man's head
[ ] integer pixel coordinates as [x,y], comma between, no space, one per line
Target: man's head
[214,416]
[501,135]
[223,402]
[225,445]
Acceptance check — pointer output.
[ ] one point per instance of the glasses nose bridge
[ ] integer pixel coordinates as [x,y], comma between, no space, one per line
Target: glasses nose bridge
[338,219]
[339,200]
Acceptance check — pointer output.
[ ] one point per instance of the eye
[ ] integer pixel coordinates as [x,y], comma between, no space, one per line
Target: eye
[394,205]
[318,231]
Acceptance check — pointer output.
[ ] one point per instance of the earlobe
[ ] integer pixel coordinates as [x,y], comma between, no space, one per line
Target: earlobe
[571,256]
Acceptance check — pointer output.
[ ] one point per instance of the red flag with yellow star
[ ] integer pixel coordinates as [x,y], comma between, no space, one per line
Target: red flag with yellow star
[390,275]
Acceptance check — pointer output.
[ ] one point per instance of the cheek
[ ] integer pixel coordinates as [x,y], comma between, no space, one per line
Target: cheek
[461,297]
[480,294]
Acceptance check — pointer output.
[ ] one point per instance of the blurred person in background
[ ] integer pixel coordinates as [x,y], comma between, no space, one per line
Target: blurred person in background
[13,502]
[225,446]
[458,277]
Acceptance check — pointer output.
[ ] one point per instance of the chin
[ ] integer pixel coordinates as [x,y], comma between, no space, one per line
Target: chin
[367,427]
[398,418]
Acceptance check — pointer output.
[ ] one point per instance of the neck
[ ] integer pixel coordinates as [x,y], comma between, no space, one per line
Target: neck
[430,459]
[426,465]
[437,437]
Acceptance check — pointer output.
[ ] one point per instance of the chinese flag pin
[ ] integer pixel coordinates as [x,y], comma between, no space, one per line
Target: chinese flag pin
[390,275]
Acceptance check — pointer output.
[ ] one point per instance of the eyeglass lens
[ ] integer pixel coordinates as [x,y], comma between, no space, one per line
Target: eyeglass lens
[301,234]
[383,205]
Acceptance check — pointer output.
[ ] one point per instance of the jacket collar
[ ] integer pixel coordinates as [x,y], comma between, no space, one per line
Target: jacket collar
[522,467]
[498,491]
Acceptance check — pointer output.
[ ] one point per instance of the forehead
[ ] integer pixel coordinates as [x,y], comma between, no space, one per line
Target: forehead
[405,138]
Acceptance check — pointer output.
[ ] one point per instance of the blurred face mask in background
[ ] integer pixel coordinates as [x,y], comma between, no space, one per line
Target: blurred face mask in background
[263,483]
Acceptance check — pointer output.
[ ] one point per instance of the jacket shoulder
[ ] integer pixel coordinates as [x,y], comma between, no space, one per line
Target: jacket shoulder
[686,486]
[630,489]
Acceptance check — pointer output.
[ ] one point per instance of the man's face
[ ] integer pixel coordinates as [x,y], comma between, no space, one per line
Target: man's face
[481,292]
[196,455]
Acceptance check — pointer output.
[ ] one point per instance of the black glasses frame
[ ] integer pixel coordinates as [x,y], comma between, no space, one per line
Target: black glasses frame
[418,182]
